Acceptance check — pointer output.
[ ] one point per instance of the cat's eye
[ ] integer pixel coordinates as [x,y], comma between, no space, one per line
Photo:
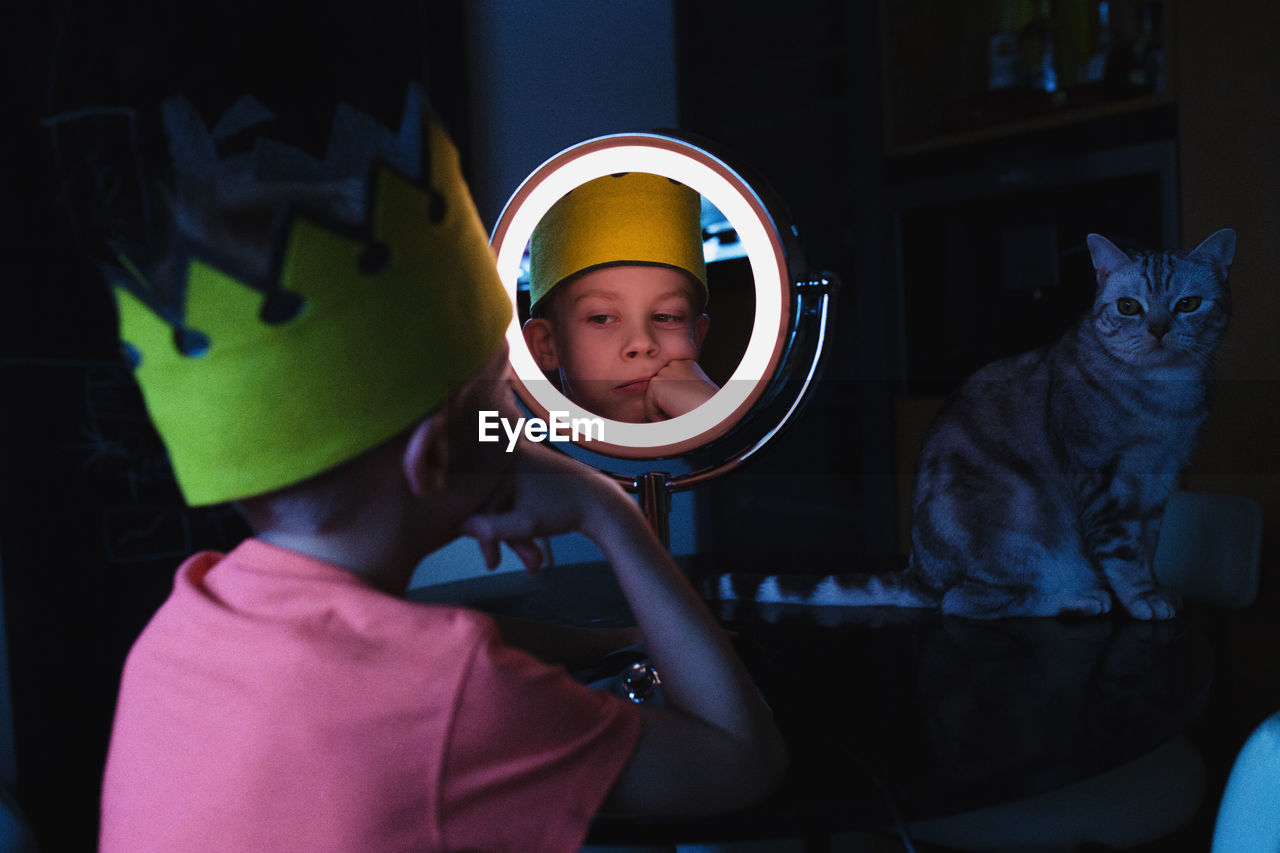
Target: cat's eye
[1187,304]
[1127,306]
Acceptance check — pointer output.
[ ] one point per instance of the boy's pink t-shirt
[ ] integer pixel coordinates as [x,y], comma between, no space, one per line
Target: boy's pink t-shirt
[276,702]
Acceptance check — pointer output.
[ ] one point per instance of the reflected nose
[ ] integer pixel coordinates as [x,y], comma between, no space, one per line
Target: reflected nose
[639,342]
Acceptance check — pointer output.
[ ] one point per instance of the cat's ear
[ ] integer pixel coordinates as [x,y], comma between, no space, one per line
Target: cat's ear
[1107,257]
[1218,249]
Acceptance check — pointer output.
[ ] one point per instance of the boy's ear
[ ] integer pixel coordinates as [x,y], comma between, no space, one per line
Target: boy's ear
[426,458]
[537,336]
[700,327]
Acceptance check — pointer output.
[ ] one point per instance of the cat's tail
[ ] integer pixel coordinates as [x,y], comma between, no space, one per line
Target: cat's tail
[892,589]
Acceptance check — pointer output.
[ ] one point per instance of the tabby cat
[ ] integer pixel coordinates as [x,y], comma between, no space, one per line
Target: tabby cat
[1043,481]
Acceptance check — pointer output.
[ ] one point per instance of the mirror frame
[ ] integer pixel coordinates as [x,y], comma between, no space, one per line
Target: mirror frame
[722,186]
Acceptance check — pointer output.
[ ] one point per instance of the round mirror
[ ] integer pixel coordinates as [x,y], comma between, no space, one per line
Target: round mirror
[733,322]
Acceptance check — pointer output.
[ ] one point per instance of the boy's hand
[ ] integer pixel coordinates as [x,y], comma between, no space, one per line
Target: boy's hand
[678,388]
[544,493]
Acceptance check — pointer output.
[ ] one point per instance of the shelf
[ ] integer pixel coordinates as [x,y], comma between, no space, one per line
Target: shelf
[959,74]
[1048,121]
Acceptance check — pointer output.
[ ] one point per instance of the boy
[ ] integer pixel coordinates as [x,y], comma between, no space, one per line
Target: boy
[617,287]
[317,350]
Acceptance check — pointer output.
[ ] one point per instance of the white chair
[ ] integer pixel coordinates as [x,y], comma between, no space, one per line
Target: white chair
[1209,548]
[1249,815]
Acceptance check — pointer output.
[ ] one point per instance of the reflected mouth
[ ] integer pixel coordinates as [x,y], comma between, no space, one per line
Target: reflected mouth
[635,386]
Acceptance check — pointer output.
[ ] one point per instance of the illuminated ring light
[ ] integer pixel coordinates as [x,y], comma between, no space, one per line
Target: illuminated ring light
[720,185]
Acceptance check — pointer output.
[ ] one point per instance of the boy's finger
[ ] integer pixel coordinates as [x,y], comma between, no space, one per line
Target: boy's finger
[489,551]
[528,552]
[652,411]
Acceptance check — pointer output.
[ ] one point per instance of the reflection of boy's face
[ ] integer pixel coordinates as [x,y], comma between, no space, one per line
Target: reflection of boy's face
[610,330]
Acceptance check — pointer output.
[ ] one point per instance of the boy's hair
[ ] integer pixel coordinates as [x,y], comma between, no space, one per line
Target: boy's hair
[627,218]
[305,311]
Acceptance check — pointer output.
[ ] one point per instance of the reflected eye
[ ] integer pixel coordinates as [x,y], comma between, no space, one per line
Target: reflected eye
[1187,304]
[667,318]
[1128,307]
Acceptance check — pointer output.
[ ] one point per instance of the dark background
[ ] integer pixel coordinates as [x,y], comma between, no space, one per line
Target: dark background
[92,526]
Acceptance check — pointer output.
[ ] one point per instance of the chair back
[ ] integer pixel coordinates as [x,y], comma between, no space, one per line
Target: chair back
[1209,548]
[1249,815]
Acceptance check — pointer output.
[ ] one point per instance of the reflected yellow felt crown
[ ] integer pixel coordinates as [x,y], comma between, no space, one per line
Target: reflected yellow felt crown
[369,354]
[634,217]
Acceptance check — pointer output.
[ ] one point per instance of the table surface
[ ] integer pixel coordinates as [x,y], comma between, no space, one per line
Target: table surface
[905,711]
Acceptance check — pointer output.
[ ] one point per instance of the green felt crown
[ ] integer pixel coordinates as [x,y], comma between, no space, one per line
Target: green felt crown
[380,323]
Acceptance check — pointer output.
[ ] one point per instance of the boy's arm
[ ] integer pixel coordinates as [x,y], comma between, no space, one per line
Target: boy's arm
[713,747]
[719,750]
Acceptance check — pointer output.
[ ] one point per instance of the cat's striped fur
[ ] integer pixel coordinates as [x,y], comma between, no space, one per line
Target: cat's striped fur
[1043,481]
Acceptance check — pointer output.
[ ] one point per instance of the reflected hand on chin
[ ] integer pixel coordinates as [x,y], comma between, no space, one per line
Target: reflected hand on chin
[678,388]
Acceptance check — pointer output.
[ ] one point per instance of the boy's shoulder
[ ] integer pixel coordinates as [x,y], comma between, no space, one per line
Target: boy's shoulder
[260,593]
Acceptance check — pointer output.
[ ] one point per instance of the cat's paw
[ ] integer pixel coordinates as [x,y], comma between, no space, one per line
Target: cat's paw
[1154,604]
[1093,602]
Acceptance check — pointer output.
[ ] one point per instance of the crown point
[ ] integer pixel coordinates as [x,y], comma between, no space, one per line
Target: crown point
[438,207]
[375,258]
[131,355]
[280,307]
[192,343]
